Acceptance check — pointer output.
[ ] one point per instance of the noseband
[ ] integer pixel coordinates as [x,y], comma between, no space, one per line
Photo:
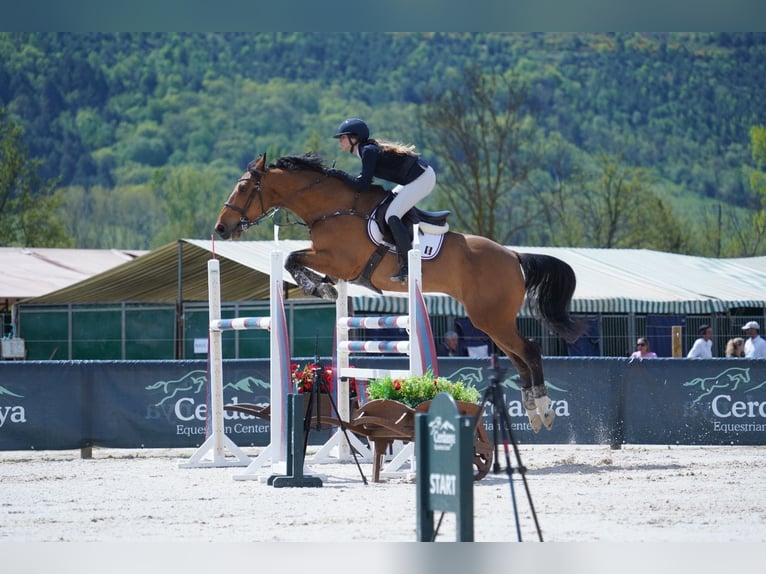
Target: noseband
[244,221]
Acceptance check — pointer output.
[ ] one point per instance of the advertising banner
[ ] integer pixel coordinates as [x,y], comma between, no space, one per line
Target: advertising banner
[695,401]
[52,405]
[41,408]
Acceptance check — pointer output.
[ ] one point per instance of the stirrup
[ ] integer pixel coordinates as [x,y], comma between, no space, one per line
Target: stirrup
[400,277]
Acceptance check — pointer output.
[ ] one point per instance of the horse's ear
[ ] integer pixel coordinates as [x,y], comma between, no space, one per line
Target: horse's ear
[257,165]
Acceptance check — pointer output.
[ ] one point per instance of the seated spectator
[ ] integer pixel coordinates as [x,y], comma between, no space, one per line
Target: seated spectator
[450,346]
[735,347]
[642,350]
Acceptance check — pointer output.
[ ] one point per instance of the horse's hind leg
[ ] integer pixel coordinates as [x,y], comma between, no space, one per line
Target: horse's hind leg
[534,394]
[526,392]
[526,357]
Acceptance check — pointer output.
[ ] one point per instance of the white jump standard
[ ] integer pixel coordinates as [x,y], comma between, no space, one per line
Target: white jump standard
[213,452]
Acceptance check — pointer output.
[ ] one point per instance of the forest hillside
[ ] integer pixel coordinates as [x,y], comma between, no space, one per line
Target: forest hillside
[144,134]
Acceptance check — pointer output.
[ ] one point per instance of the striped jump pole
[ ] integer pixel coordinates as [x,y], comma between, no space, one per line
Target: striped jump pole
[213,452]
[419,347]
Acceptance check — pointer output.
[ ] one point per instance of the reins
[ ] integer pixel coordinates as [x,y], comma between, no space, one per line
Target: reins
[245,222]
[339,212]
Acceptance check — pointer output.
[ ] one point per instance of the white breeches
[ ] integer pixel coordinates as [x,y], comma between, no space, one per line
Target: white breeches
[406,196]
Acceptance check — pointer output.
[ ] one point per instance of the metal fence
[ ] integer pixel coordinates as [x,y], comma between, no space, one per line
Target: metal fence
[617,334]
[139,331]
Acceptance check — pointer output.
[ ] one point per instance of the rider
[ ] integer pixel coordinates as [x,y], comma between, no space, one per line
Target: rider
[394,162]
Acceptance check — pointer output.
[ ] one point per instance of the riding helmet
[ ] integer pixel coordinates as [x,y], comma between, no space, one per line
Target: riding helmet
[355,127]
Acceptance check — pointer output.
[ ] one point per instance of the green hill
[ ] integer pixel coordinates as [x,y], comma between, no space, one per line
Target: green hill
[109,111]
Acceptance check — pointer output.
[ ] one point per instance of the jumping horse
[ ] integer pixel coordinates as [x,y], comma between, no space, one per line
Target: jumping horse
[491,281]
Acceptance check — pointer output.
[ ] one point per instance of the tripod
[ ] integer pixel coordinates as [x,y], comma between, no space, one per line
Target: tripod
[501,424]
[314,406]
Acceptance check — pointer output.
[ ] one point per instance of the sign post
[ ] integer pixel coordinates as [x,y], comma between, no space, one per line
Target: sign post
[444,446]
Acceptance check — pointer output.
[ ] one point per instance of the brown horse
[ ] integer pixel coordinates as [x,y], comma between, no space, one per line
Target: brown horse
[490,280]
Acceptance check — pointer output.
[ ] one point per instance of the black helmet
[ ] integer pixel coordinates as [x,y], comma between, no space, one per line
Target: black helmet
[355,127]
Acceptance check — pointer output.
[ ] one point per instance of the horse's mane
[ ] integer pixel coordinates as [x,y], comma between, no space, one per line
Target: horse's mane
[311,162]
[301,162]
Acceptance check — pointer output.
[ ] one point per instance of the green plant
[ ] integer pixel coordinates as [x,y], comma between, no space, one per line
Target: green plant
[420,388]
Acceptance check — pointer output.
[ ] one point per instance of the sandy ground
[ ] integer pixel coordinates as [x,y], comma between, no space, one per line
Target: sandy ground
[580,494]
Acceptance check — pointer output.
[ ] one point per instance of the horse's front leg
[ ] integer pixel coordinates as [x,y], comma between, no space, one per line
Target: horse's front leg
[311,283]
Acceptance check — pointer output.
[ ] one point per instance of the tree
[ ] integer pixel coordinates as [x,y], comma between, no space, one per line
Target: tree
[552,186]
[611,206]
[127,216]
[191,198]
[752,235]
[27,206]
[486,145]
[732,231]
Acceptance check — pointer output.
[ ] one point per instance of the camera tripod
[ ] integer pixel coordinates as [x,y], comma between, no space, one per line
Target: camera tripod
[314,407]
[494,395]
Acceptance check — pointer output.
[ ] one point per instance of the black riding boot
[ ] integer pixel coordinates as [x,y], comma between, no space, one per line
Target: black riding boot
[403,246]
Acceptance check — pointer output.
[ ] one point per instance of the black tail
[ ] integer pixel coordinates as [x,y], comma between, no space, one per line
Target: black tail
[550,284]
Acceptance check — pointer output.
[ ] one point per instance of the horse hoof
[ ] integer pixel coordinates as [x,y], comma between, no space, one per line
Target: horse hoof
[326,291]
[545,411]
[535,420]
[548,418]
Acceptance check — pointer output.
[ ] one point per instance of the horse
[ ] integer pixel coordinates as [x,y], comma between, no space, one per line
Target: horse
[490,280]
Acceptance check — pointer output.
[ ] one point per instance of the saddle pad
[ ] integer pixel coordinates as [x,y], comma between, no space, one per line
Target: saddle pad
[430,244]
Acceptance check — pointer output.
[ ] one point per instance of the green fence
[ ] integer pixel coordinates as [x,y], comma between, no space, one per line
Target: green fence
[127,331]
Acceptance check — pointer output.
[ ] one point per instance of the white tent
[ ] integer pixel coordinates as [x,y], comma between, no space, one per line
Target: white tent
[608,280]
[34,271]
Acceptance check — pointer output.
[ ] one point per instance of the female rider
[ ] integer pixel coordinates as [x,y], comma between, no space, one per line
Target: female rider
[394,162]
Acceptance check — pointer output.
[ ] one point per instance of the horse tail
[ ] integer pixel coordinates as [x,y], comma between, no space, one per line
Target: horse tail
[550,284]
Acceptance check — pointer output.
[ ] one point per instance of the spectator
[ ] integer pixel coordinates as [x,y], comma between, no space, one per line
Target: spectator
[703,346]
[735,347]
[449,348]
[755,346]
[642,350]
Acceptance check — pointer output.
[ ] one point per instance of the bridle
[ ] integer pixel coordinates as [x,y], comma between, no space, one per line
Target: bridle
[244,221]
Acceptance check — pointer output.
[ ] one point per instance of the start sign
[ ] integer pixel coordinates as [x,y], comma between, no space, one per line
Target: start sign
[444,448]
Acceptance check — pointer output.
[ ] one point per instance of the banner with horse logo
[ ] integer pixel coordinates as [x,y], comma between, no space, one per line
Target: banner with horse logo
[56,405]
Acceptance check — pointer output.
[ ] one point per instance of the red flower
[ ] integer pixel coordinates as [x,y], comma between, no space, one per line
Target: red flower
[304,378]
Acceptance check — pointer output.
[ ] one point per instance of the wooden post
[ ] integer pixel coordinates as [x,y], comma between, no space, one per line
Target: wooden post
[677,341]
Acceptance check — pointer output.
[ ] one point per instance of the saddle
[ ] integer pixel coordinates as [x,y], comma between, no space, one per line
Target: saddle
[434,222]
[432,227]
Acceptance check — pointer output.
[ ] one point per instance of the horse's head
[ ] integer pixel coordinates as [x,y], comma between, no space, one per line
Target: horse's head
[300,184]
[245,206]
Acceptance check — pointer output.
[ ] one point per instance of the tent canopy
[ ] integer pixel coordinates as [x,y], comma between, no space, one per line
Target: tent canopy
[33,271]
[608,280]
